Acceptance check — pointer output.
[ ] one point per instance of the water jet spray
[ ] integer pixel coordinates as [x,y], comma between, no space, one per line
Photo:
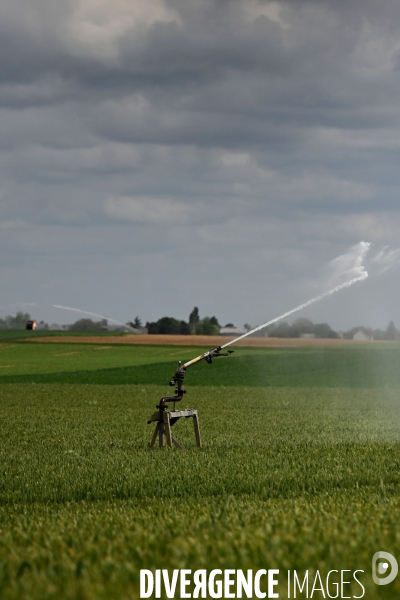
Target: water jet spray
[86,312]
[165,418]
[300,307]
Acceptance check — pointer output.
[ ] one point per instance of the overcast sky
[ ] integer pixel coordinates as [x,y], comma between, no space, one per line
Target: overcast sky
[161,154]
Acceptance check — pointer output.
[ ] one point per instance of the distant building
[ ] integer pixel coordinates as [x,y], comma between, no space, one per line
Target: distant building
[120,329]
[361,336]
[56,327]
[232,331]
[31,324]
[307,335]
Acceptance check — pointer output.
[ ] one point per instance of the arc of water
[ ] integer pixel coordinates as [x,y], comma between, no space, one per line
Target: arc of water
[361,277]
[86,312]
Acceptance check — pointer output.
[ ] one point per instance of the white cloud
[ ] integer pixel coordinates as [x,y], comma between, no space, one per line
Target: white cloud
[235,159]
[273,10]
[96,26]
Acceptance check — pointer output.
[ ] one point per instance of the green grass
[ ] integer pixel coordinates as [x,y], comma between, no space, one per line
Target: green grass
[300,466]
[355,366]
[23,334]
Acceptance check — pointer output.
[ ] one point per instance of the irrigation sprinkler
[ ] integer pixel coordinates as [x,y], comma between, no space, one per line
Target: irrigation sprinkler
[165,418]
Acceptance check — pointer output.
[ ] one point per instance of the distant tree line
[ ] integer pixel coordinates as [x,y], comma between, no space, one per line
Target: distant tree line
[301,327]
[88,325]
[17,322]
[210,326]
[136,323]
[390,334]
[194,326]
[20,319]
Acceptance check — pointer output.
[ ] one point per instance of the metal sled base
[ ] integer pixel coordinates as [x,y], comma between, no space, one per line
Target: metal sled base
[165,419]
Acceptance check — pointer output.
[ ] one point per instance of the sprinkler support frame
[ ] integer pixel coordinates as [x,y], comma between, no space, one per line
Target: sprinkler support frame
[165,418]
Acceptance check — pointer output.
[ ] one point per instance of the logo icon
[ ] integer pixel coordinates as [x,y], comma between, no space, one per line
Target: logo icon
[381,563]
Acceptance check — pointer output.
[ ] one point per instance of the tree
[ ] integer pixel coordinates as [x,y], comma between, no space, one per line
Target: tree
[137,323]
[87,325]
[391,332]
[207,327]
[194,319]
[17,322]
[247,326]
[229,325]
[379,334]
[322,330]
[283,330]
[184,328]
[152,328]
[300,326]
[168,326]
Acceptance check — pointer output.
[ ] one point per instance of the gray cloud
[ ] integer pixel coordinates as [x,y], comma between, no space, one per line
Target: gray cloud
[245,140]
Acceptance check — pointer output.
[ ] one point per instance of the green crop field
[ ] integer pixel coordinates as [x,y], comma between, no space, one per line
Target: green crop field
[300,466]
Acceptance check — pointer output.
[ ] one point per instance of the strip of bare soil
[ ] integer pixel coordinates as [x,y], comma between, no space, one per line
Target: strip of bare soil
[195,340]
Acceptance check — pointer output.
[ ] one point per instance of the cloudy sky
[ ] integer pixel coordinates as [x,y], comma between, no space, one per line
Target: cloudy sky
[161,154]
